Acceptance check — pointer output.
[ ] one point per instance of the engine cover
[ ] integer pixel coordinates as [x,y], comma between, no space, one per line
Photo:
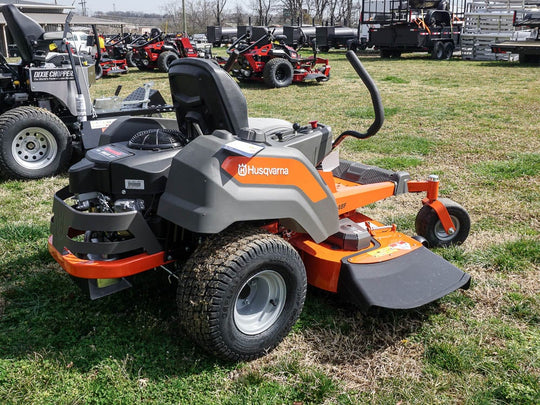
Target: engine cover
[137,168]
[120,171]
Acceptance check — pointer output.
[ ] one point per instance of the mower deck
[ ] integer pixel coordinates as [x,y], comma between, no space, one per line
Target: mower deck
[405,282]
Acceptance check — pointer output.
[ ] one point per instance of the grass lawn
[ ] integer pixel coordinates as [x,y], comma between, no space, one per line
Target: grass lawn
[475,124]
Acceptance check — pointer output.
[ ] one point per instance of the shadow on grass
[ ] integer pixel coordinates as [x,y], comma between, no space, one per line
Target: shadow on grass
[45,313]
[259,84]
[340,334]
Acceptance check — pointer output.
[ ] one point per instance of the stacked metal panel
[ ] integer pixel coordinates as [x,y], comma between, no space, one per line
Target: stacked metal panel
[487,22]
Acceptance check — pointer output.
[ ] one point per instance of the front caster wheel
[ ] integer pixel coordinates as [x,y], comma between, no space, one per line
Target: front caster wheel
[241,292]
[430,227]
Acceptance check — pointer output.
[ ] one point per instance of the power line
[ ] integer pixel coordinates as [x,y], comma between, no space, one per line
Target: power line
[83,6]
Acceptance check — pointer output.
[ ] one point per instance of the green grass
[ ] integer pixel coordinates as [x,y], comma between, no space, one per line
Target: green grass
[521,255]
[474,124]
[395,79]
[508,169]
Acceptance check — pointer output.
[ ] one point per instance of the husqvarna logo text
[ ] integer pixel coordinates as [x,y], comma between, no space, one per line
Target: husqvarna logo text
[244,170]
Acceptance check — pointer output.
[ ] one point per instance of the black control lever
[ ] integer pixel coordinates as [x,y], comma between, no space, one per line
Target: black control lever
[375,100]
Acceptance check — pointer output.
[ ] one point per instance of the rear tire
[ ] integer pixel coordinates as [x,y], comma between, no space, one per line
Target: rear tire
[448,50]
[241,292]
[438,51]
[34,143]
[165,59]
[429,226]
[278,72]
[129,59]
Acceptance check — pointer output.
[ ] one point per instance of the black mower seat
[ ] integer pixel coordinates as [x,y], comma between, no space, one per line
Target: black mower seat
[24,30]
[206,96]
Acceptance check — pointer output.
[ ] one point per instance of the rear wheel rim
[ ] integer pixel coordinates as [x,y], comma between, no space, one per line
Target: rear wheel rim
[260,302]
[34,148]
[281,74]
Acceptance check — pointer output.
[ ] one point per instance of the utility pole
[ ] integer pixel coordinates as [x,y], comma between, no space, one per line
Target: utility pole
[83,6]
[184,17]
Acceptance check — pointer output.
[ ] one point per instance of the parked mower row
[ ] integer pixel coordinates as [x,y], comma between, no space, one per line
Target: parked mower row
[48,116]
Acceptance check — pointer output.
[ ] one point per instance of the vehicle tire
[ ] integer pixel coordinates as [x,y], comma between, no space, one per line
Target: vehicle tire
[438,51]
[35,143]
[429,225]
[278,72]
[99,71]
[324,48]
[241,292]
[448,50]
[165,59]
[129,59]
[396,54]
[144,65]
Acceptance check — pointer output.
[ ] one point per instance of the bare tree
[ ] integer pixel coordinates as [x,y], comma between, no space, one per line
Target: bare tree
[199,15]
[263,10]
[318,9]
[294,9]
[173,17]
[238,15]
[219,5]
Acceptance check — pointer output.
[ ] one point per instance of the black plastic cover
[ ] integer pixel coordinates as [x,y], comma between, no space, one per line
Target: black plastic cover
[24,30]
[118,170]
[408,281]
[351,236]
[366,174]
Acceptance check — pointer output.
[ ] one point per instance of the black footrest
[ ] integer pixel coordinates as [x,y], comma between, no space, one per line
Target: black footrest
[366,174]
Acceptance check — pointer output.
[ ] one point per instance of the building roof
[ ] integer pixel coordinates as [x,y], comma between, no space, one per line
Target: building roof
[58,18]
[45,13]
[25,4]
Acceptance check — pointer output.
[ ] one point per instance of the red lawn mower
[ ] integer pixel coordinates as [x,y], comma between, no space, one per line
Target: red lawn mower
[159,51]
[260,56]
[111,57]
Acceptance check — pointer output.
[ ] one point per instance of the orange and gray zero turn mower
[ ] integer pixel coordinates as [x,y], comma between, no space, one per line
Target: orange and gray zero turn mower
[245,212]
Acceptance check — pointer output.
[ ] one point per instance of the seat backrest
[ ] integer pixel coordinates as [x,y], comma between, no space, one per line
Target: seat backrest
[24,30]
[205,95]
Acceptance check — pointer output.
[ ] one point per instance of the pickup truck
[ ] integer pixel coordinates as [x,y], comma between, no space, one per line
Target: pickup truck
[525,43]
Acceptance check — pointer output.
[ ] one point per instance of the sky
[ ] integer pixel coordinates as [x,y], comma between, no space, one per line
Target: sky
[148,6]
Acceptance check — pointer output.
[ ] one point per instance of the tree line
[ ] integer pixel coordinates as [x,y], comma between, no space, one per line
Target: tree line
[202,13]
